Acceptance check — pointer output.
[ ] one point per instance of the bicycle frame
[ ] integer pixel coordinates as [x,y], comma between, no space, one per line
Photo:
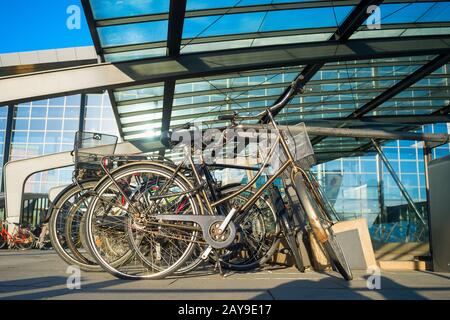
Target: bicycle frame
[213,206]
[289,163]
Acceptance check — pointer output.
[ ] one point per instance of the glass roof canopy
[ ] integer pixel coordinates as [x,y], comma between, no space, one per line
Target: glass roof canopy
[148,29]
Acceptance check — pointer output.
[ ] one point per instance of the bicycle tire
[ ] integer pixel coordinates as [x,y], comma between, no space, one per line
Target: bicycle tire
[324,234]
[31,239]
[292,243]
[54,227]
[69,232]
[103,185]
[273,247]
[3,241]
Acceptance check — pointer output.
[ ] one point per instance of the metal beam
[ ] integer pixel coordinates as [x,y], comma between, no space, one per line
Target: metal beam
[99,49]
[414,77]
[114,75]
[176,23]
[239,9]
[353,21]
[226,10]
[376,120]
[83,102]
[293,34]
[91,23]
[114,107]
[442,111]
[273,85]
[310,109]
[357,133]
[169,91]
[216,113]
[411,61]
[39,67]
[175,34]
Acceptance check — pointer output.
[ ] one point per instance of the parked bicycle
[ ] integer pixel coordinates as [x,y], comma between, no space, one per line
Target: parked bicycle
[20,238]
[165,213]
[68,210]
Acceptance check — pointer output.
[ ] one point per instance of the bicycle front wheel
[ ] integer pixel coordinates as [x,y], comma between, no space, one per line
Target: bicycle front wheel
[160,248]
[321,227]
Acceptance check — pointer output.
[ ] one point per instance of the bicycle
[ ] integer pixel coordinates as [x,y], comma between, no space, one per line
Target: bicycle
[66,214]
[21,237]
[165,221]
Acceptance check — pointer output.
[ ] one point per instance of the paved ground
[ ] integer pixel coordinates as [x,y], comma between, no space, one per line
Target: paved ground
[42,275]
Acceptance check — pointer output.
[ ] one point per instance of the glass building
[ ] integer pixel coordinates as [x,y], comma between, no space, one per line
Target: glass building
[49,126]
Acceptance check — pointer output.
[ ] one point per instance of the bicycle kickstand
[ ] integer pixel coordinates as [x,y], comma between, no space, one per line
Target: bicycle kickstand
[217,265]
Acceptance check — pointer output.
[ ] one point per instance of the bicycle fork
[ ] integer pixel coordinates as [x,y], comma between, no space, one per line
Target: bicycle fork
[300,184]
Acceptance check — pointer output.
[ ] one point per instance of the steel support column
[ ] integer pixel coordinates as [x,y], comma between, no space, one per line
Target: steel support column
[83,102]
[380,186]
[426,160]
[8,140]
[177,13]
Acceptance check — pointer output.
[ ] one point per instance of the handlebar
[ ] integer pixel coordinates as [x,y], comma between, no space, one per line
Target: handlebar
[293,89]
[166,136]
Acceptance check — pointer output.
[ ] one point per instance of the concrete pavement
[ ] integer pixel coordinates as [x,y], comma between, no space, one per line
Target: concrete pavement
[42,275]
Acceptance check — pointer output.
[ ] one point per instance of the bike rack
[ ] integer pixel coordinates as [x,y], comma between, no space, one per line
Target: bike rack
[16,173]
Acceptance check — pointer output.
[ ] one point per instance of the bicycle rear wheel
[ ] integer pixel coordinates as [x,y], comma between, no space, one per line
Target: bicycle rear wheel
[258,234]
[321,227]
[70,199]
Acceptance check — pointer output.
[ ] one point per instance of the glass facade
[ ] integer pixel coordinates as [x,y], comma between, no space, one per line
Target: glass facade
[49,126]
[363,187]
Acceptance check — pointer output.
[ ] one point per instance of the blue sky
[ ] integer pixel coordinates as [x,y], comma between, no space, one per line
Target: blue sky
[27,25]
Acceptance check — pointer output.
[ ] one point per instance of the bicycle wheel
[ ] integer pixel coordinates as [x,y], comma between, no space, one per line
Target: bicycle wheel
[160,248]
[70,198]
[25,239]
[73,234]
[258,234]
[2,242]
[321,227]
[291,241]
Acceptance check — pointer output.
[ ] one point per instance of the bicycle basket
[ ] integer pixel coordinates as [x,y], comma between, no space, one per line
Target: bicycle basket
[300,146]
[91,147]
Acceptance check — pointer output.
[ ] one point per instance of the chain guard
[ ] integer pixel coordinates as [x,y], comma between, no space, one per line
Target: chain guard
[205,222]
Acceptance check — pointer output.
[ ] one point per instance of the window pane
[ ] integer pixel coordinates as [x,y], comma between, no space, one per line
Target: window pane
[133,33]
[105,9]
